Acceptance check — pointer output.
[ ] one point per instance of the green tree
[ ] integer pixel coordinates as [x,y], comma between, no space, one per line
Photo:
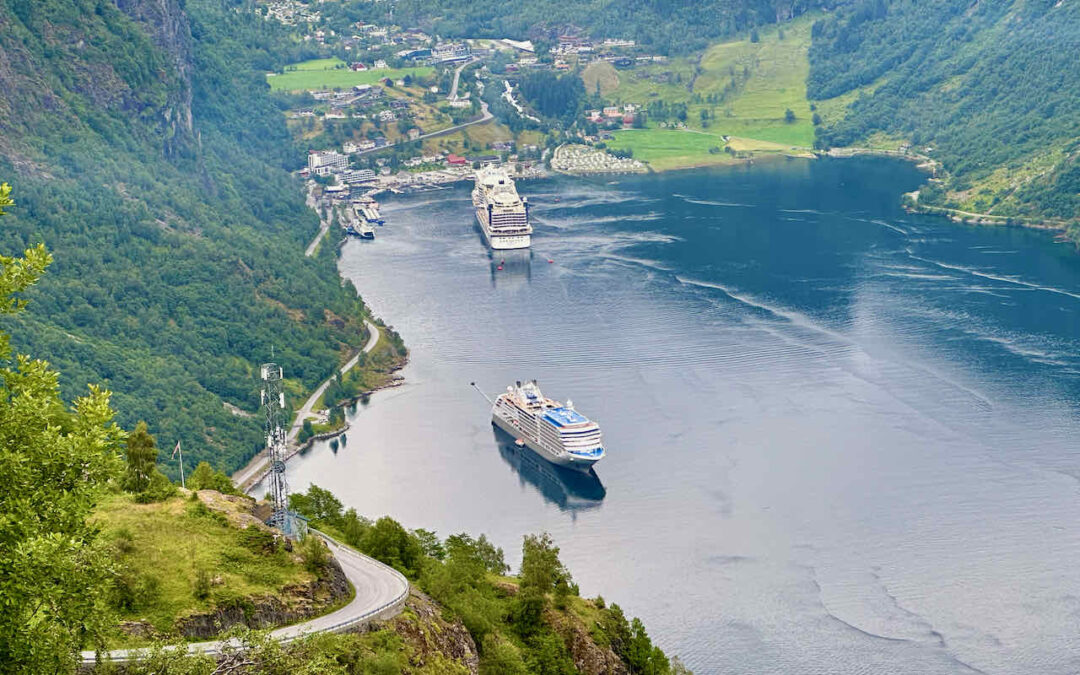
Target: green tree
[388,542]
[317,505]
[54,462]
[789,116]
[540,565]
[528,610]
[142,455]
[204,477]
[5,197]
[429,542]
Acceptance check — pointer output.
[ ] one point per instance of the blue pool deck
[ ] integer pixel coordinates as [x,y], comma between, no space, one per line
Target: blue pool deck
[564,417]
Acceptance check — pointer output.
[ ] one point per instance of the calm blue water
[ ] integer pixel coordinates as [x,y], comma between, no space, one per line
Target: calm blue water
[841,439]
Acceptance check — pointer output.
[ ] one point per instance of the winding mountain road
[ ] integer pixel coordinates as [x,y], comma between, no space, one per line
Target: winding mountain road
[381,592]
[258,465]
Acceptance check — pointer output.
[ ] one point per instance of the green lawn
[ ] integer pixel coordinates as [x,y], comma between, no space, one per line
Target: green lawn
[318,64]
[332,74]
[164,545]
[671,148]
[763,80]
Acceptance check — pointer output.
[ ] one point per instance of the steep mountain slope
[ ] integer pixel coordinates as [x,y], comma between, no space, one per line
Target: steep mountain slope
[990,86]
[669,26]
[145,151]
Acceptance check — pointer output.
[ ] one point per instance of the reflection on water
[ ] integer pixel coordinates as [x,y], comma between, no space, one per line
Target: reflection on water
[511,269]
[570,490]
[846,434]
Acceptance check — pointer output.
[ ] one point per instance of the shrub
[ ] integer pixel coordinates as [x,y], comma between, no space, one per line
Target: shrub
[258,540]
[201,584]
[500,657]
[315,554]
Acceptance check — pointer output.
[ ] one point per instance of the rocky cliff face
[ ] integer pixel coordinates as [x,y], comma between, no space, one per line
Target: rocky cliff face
[436,643]
[69,73]
[589,657]
[292,604]
[168,27]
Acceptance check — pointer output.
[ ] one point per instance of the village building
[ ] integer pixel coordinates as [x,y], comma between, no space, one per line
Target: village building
[325,162]
[450,52]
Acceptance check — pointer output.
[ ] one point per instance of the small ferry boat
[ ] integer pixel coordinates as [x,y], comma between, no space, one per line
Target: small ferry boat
[369,209]
[556,432]
[360,230]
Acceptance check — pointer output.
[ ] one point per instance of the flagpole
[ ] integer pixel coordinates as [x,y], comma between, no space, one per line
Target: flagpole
[180,449]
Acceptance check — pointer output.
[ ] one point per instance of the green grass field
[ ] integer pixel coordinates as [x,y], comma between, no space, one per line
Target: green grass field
[332,74]
[600,73]
[670,148]
[163,546]
[763,79]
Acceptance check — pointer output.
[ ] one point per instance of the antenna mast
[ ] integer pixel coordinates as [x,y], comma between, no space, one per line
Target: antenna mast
[273,402]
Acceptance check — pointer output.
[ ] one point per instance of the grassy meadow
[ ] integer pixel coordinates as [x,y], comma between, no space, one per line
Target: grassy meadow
[334,74]
[163,548]
[753,84]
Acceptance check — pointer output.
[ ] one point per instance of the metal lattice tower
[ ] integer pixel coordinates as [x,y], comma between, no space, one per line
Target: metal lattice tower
[273,402]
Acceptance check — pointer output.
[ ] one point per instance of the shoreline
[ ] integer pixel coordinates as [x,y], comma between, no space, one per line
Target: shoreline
[256,468]
[922,162]
[251,481]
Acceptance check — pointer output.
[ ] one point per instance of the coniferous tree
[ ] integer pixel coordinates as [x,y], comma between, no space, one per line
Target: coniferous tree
[142,456]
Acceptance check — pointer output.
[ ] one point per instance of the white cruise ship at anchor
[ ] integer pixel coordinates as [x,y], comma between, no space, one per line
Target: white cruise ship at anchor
[503,215]
[558,433]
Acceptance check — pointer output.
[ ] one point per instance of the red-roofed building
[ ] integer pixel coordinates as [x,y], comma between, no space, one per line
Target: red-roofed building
[455,160]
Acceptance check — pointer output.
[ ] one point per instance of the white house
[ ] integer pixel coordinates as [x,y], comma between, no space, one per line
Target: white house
[322,163]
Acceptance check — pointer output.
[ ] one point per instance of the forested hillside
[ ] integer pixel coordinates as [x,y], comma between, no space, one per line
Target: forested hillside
[991,87]
[669,26]
[146,152]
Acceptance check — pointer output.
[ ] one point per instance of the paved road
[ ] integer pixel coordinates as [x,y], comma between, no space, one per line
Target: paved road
[485,115]
[452,96]
[324,227]
[258,464]
[381,592]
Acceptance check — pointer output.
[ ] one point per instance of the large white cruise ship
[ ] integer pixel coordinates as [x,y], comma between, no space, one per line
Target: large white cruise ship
[556,432]
[503,215]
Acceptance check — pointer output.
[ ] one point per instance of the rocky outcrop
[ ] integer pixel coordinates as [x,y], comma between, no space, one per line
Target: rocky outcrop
[239,510]
[433,639]
[170,30]
[589,658]
[60,59]
[293,603]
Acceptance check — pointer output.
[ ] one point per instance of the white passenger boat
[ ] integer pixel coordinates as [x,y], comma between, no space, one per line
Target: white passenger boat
[556,432]
[503,215]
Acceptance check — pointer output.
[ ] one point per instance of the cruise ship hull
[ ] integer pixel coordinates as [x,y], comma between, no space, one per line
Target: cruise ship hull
[567,460]
[503,242]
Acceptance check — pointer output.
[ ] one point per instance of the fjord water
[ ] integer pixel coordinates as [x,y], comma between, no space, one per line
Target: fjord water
[840,438]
